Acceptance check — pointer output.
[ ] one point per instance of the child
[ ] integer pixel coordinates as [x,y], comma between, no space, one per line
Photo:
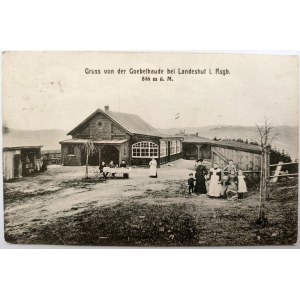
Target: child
[242,187]
[231,190]
[230,167]
[191,183]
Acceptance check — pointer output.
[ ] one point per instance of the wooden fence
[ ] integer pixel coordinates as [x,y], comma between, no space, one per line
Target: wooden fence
[266,179]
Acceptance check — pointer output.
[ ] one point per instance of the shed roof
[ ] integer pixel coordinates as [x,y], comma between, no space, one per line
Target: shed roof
[21,147]
[193,139]
[239,145]
[11,140]
[132,123]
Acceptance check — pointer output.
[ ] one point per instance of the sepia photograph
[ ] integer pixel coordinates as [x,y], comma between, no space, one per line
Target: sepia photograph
[150,149]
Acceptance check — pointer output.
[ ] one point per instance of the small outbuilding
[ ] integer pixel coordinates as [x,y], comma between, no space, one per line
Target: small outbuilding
[246,157]
[21,161]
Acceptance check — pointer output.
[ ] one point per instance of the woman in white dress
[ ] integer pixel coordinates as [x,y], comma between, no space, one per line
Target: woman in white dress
[215,181]
[153,170]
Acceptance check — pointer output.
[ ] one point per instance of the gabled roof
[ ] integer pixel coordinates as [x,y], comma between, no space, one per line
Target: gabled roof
[131,123]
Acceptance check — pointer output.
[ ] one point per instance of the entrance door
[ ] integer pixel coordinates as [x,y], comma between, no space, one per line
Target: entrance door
[110,153]
[205,152]
[17,161]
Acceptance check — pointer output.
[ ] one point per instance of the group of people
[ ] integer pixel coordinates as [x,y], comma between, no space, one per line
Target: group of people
[112,166]
[228,183]
[229,186]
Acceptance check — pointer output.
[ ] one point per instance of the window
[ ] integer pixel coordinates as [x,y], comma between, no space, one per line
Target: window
[71,150]
[163,149]
[178,146]
[144,149]
[173,147]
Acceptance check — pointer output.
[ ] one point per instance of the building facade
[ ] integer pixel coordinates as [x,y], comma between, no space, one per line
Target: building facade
[118,136]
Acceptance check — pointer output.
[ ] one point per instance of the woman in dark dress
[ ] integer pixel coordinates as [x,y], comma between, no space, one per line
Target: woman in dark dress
[201,173]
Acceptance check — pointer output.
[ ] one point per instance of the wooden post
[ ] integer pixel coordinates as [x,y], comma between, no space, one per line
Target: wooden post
[86,164]
[260,210]
[268,150]
[120,149]
[263,193]
[265,177]
[158,153]
[99,150]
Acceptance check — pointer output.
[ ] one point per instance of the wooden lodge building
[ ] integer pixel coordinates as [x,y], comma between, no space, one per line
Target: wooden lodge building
[116,137]
[121,136]
[246,157]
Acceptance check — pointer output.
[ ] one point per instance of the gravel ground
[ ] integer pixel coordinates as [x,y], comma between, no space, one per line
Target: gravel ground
[61,207]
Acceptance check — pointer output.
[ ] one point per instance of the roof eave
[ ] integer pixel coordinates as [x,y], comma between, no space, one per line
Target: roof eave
[150,135]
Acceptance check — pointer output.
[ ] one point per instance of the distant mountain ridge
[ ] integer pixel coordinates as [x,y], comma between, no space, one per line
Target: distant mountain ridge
[48,138]
[286,140]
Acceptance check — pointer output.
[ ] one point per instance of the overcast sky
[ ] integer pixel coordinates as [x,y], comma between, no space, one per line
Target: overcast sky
[51,90]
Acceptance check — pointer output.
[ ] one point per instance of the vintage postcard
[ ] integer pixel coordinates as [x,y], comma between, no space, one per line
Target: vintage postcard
[150,149]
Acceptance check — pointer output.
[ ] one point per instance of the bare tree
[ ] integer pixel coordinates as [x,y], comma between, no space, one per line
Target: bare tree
[266,133]
[266,136]
[89,148]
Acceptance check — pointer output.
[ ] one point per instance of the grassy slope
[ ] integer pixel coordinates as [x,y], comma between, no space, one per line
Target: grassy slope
[160,218]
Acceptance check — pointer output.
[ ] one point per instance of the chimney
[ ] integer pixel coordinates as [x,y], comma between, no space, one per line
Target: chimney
[106,107]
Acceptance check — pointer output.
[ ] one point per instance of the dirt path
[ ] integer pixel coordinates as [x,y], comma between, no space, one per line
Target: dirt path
[59,207]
